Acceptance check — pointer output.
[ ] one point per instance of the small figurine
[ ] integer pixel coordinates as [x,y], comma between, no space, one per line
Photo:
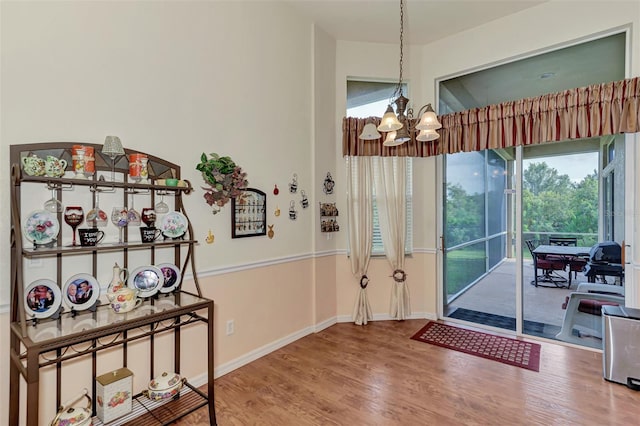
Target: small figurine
[293,186]
[328,184]
[293,214]
[305,200]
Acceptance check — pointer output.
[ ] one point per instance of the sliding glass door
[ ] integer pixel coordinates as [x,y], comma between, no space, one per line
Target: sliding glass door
[477,238]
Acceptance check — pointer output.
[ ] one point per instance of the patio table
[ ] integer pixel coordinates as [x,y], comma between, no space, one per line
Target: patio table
[563,254]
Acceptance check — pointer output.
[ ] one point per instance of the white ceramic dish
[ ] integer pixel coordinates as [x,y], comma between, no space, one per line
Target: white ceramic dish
[42,298]
[81,291]
[165,386]
[172,277]
[41,227]
[147,280]
[174,225]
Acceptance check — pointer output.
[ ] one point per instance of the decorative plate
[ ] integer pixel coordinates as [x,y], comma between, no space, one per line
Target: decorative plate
[81,291]
[174,225]
[147,280]
[41,227]
[42,298]
[172,277]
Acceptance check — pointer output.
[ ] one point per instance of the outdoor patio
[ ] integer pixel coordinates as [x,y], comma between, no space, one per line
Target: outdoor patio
[496,294]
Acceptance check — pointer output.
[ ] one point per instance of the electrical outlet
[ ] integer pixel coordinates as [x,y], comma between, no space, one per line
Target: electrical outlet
[231,325]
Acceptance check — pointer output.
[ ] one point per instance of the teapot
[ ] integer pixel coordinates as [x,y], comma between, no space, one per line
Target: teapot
[122,298]
[54,167]
[33,165]
[76,416]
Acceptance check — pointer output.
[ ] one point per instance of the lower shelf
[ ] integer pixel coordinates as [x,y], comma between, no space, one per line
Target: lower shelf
[147,412]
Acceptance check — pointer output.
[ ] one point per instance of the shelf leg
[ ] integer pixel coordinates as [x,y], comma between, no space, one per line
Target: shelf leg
[33,387]
[210,367]
[14,384]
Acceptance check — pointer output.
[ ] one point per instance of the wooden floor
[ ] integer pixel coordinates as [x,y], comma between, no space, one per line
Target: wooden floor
[377,375]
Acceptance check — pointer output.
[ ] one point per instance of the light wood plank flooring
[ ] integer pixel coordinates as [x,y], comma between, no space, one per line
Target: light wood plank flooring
[377,375]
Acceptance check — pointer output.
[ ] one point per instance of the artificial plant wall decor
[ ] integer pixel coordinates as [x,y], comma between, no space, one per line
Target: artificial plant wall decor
[224,178]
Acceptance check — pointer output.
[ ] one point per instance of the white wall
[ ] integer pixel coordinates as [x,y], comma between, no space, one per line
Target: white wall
[176,79]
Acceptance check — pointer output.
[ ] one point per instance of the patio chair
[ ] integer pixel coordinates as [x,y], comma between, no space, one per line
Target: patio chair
[563,241]
[576,264]
[584,311]
[548,264]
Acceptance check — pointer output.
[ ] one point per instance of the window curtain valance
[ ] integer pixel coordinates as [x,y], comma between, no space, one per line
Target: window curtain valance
[591,111]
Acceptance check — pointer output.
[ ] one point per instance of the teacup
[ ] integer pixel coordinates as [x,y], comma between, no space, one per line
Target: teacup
[90,236]
[124,300]
[33,165]
[54,167]
[149,234]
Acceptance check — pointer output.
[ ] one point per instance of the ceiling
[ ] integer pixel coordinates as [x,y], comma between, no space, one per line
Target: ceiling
[378,21]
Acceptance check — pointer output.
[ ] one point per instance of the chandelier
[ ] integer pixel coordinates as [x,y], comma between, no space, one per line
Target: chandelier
[396,124]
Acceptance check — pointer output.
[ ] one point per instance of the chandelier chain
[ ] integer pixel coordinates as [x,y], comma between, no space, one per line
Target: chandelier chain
[399,88]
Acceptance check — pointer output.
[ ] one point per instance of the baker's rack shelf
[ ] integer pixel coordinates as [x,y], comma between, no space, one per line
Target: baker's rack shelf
[35,344]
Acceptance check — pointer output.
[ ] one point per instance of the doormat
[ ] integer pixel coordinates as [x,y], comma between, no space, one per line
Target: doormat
[502,349]
[532,328]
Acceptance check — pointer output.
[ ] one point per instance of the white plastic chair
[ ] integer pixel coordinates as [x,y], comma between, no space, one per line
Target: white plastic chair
[587,324]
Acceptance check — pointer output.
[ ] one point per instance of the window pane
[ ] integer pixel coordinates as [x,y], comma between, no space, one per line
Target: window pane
[496,198]
[465,206]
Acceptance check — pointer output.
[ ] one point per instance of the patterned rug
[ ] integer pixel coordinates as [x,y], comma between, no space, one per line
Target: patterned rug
[502,349]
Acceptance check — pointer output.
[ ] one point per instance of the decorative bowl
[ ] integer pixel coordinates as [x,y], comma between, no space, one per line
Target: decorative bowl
[165,386]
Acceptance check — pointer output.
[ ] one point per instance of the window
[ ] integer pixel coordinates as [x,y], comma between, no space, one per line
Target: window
[370,99]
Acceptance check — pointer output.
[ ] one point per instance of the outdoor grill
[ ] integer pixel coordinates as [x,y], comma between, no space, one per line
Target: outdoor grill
[605,259]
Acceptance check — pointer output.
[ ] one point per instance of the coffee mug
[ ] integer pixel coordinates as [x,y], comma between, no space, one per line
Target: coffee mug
[90,236]
[149,234]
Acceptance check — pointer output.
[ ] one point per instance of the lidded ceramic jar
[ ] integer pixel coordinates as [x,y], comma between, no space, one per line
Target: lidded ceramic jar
[166,385]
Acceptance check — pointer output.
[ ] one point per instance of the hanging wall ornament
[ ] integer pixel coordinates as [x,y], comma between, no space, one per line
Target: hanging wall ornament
[293,214]
[276,191]
[305,200]
[270,233]
[276,213]
[328,184]
[293,186]
[210,237]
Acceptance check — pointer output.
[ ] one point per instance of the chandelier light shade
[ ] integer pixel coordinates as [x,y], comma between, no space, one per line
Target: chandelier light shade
[427,135]
[369,132]
[389,122]
[428,120]
[390,140]
[402,135]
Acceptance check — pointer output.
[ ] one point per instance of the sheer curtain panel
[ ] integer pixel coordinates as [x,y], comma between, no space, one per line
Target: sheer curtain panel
[390,186]
[360,215]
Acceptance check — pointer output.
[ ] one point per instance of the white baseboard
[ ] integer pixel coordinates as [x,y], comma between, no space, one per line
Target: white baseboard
[387,317]
[228,367]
